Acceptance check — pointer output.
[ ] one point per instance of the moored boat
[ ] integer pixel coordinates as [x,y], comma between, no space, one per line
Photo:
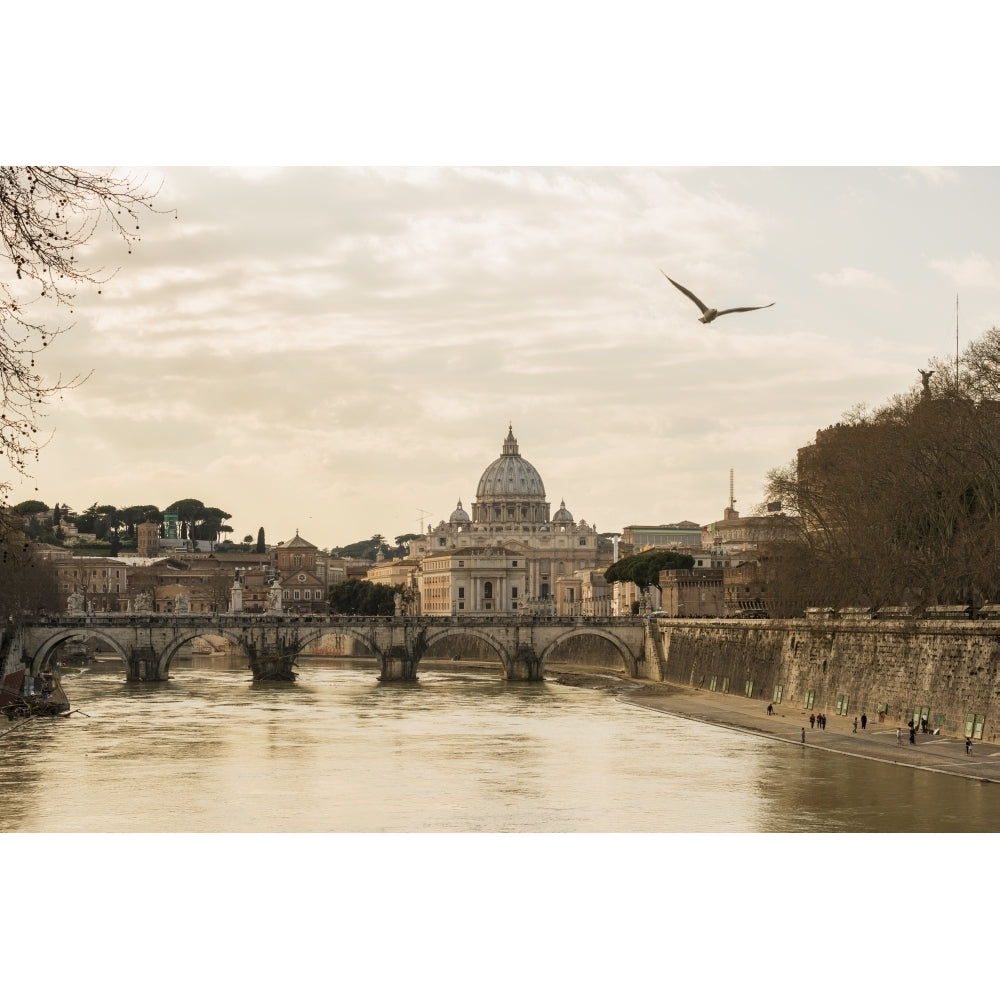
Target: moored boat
[21,695]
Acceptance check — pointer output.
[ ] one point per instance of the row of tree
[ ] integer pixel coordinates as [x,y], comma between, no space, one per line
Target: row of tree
[117,525]
[899,506]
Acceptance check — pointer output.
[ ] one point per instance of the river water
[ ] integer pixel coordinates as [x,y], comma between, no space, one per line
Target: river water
[458,751]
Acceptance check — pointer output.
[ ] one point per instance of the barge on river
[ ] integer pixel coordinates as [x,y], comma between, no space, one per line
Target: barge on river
[22,695]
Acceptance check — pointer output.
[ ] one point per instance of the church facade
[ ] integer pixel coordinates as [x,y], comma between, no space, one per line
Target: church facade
[508,555]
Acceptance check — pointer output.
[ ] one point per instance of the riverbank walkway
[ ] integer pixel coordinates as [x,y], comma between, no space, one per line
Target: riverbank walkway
[878,741]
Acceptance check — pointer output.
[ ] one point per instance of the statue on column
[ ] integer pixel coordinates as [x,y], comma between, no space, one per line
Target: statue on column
[236,596]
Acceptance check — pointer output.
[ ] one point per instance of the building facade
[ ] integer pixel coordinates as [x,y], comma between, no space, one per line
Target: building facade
[508,554]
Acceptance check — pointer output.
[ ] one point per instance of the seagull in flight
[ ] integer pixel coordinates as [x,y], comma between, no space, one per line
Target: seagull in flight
[708,314]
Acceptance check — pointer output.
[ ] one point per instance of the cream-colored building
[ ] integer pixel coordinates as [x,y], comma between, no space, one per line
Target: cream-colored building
[489,580]
[507,555]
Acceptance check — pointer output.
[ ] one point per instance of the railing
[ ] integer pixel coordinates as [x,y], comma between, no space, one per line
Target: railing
[240,620]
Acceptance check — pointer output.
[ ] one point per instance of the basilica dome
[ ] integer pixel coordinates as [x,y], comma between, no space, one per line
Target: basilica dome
[510,476]
[459,516]
[562,515]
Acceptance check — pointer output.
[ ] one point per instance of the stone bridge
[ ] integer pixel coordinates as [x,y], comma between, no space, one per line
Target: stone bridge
[147,643]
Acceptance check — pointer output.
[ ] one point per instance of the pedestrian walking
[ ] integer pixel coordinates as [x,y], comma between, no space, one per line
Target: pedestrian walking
[913,735]
[968,744]
[864,721]
[812,722]
[770,709]
[803,734]
[899,737]
[855,724]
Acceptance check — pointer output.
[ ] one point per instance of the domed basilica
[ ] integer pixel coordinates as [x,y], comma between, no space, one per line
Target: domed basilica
[509,555]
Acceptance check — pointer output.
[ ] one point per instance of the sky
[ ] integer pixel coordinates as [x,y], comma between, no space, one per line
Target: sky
[341,350]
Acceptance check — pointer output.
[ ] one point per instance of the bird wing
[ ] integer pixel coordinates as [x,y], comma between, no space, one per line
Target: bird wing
[744,309]
[694,298]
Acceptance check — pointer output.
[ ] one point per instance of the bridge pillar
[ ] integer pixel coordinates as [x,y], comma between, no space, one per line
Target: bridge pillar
[398,664]
[273,663]
[144,665]
[524,665]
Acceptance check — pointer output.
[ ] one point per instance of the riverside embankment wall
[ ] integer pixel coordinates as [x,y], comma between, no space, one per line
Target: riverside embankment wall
[950,667]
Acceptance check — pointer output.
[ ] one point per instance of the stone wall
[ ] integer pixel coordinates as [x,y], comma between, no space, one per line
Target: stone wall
[951,668]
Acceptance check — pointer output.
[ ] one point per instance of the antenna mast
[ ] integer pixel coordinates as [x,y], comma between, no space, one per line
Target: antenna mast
[956,336]
[732,499]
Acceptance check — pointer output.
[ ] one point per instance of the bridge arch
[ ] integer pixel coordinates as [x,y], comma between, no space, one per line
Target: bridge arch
[171,648]
[67,635]
[437,634]
[309,636]
[628,657]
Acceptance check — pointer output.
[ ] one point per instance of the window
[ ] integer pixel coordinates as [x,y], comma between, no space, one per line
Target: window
[583,541]
[488,590]
[461,563]
[513,593]
[461,593]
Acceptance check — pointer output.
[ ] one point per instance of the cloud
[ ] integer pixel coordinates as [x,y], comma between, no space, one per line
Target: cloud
[932,175]
[972,271]
[855,277]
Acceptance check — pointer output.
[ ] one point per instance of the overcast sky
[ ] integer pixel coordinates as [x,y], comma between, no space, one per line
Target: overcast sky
[341,350]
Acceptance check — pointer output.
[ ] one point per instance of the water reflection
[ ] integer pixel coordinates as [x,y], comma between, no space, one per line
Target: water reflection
[459,750]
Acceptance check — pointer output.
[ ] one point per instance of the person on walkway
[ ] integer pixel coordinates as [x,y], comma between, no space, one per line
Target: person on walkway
[864,721]
[855,724]
[803,734]
[812,722]
[899,737]
[913,735]
[770,709]
[968,744]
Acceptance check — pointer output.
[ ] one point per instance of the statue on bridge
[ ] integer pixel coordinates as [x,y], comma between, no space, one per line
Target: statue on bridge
[74,604]
[274,597]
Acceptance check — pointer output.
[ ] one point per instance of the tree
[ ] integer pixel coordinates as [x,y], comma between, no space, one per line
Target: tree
[188,513]
[27,584]
[643,568]
[47,216]
[901,505]
[260,540]
[139,514]
[362,597]
[367,548]
[29,507]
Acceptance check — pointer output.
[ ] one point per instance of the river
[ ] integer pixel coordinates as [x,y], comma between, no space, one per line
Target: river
[458,751]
